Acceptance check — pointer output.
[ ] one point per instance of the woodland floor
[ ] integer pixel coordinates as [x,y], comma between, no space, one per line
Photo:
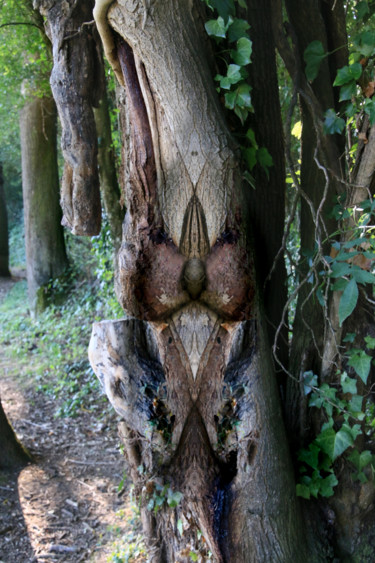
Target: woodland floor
[65,506]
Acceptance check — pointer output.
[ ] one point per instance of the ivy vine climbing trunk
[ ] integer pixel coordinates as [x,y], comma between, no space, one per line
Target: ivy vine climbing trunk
[190,372]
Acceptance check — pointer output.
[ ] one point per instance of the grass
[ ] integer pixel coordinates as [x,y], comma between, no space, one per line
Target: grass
[50,350]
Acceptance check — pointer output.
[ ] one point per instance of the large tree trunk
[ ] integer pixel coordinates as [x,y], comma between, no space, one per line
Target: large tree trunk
[4,241]
[192,375]
[12,453]
[45,248]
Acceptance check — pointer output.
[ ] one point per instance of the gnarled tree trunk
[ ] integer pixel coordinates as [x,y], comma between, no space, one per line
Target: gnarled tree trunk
[12,453]
[190,373]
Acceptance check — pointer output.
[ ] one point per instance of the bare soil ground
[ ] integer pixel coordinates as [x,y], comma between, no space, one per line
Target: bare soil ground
[65,506]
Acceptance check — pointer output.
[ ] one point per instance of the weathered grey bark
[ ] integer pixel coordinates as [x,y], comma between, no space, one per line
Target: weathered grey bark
[44,239]
[12,453]
[75,90]
[4,241]
[192,376]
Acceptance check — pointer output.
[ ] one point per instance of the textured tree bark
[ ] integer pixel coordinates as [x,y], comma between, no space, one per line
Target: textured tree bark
[190,373]
[4,241]
[44,239]
[76,90]
[12,453]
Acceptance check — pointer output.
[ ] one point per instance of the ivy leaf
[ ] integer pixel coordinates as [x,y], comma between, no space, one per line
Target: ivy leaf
[348,384]
[243,95]
[313,56]
[355,406]
[216,28]
[309,380]
[327,484]
[361,362]
[174,498]
[347,74]
[193,556]
[242,113]
[237,29]
[348,301]
[264,158]
[303,491]
[347,91]
[370,342]
[362,276]
[233,76]
[310,456]
[360,460]
[333,123]
[225,8]
[362,9]
[243,53]
[334,443]
[365,43]
[250,157]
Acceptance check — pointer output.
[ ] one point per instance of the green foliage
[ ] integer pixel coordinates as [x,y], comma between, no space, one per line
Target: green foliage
[161,495]
[51,350]
[343,409]
[313,56]
[232,33]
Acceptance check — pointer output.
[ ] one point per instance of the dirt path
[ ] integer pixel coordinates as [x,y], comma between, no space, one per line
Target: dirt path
[65,506]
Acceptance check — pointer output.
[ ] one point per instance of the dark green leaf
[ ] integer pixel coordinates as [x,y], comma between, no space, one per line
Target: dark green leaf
[264,158]
[347,74]
[334,443]
[303,491]
[225,8]
[310,456]
[309,380]
[327,484]
[348,301]
[313,56]
[237,29]
[250,156]
[362,276]
[333,123]
[347,91]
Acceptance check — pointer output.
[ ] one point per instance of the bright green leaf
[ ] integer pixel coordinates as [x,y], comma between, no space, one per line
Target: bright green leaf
[297,129]
[180,527]
[216,28]
[370,342]
[348,301]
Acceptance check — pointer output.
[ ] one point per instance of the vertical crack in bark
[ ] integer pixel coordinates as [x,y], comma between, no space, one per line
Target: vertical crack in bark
[143,152]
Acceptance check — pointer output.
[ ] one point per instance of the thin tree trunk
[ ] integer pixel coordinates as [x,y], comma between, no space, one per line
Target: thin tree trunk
[4,241]
[106,160]
[12,453]
[44,240]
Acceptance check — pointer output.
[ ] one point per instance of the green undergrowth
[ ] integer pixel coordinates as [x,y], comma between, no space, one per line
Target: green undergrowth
[50,351]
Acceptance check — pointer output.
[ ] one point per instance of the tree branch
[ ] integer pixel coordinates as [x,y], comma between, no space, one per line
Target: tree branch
[22,23]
